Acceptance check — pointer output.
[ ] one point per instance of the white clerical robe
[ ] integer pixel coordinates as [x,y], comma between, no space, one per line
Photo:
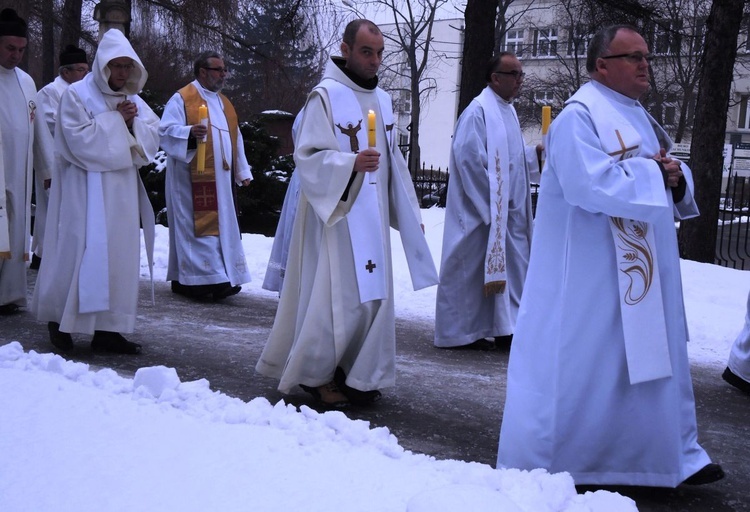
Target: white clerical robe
[89,276]
[739,356]
[570,405]
[276,268]
[206,259]
[49,100]
[25,145]
[463,314]
[321,322]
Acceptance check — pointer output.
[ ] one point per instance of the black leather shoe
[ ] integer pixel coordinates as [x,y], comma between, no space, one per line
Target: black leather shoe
[35,262]
[61,340]
[709,474]
[107,341]
[9,309]
[200,291]
[225,290]
[735,380]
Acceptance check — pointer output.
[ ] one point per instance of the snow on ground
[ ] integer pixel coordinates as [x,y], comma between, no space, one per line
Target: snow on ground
[76,439]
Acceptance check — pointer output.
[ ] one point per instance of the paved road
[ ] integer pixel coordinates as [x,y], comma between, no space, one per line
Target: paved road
[447,404]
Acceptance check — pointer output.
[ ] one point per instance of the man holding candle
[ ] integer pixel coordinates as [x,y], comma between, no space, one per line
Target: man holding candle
[488,217]
[206,258]
[598,379]
[334,333]
[88,278]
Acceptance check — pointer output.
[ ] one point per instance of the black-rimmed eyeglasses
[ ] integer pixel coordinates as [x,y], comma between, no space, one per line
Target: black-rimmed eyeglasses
[635,57]
[218,70]
[517,75]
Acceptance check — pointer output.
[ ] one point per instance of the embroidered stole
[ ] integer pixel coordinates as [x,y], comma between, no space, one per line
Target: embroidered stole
[498,164]
[365,218]
[641,305]
[205,198]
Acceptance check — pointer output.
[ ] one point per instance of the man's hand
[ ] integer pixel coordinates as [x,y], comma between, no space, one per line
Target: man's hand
[198,131]
[128,110]
[672,168]
[367,161]
[246,182]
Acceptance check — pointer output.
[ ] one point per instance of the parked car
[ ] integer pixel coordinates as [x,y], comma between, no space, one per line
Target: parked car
[436,198]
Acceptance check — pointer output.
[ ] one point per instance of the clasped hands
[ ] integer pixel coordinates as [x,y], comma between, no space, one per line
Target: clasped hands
[128,110]
[671,167]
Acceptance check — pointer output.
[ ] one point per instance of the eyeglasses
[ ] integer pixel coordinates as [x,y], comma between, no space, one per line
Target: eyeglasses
[120,67]
[635,57]
[79,70]
[218,70]
[517,75]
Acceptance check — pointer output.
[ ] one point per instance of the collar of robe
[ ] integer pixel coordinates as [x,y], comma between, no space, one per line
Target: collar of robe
[365,83]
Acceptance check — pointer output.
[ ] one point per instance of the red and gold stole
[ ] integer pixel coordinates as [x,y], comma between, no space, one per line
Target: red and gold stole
[205,199]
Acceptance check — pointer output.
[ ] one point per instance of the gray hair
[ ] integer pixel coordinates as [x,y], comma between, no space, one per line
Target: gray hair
[202,60]
[599,44]
[493,63]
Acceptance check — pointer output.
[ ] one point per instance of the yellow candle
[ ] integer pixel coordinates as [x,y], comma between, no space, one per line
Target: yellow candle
[203,116]
[546,118]
[371,128]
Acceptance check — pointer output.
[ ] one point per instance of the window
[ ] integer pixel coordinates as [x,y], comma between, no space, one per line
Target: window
[578,41]
[514,41]
[543,97]
[669,109]
[744,38]
[743,122]
[666,37]
[545,42]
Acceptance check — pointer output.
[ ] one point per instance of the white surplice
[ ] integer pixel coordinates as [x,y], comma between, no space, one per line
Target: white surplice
[276,268]
[25,144]
[570,405]
[49,101]
[463,313]
[321,322]
[205,259]
[89,276]
[739,356]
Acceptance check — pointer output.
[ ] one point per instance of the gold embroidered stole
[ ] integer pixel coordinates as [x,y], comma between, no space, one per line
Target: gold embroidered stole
[205,198]
[641,305]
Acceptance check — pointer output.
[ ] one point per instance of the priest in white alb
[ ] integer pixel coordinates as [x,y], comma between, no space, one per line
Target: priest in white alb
[488,217]
[73,67]
[334,332]
[598,378]
[89,276]
[206,258]
[25,145]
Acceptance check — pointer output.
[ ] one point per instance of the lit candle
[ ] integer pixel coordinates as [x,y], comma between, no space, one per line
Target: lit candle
[371,128]
[203,116]
[546,118]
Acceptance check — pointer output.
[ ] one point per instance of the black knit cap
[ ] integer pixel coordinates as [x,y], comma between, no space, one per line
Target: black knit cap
[11,24]
[72,55]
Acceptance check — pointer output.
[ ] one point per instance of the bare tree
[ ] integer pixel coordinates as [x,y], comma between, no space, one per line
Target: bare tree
[697,237]
[479,45]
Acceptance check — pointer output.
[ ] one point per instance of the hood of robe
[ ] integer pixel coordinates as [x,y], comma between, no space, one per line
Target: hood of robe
[113,45]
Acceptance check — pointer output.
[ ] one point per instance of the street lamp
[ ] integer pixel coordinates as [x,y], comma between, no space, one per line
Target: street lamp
[113,14]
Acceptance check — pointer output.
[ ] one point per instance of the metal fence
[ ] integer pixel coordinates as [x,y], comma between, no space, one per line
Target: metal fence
[734,225]
[431,186]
